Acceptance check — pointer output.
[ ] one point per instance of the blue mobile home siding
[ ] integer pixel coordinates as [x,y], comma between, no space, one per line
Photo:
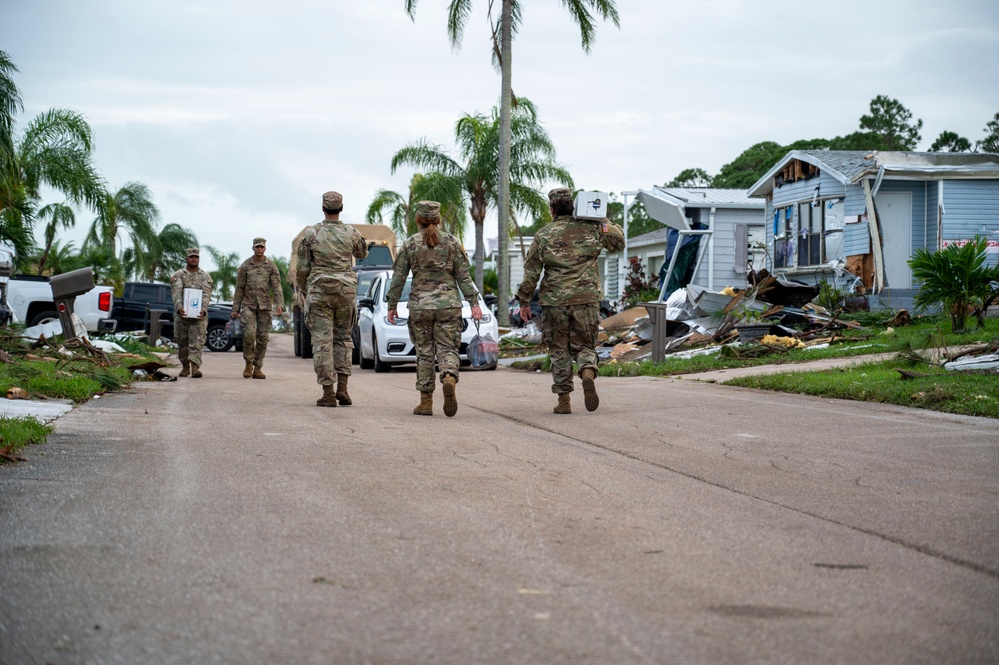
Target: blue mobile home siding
[968,206]
[804,190]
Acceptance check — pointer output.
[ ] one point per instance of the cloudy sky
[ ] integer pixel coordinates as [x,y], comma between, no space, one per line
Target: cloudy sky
[238,114]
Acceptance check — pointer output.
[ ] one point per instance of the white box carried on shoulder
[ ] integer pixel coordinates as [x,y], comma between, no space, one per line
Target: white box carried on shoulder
[192,303]
[590,205]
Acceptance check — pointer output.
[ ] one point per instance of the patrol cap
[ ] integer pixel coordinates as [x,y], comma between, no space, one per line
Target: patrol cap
[259,242]
[332,200]
[560,194]
[428,209]
[193,251]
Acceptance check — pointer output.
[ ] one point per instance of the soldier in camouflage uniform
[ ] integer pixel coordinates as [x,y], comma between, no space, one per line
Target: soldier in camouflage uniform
[567,250]
[440,268]
[256,280]
[323,272]
[190,333]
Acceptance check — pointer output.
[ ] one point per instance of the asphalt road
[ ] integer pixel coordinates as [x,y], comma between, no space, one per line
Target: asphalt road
[230,520]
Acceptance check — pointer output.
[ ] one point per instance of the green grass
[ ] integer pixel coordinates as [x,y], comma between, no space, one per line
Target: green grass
[967,393]
[57,377]
[16,433]
[76,380]
[937,389]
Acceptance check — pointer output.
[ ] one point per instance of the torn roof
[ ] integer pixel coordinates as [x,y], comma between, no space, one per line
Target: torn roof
[667,205]
[851,166]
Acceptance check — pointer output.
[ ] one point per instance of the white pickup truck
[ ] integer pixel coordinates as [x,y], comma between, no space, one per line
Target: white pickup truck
[28,300]
[31,302]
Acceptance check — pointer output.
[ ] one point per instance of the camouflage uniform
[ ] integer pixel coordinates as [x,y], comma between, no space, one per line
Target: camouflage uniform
[434,302]
[255,281]
[567,249]
[190,334]
[324,272]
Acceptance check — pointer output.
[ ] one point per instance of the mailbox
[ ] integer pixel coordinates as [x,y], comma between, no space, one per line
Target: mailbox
[65,288]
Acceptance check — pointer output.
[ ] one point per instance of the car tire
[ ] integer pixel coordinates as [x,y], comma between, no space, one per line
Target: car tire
[217,340]
[44,317]
[355,353]
[379,366]
[362,362]
[306,341]
[296,333]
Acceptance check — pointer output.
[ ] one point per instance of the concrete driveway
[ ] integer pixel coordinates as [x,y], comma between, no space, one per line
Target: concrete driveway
[230,520]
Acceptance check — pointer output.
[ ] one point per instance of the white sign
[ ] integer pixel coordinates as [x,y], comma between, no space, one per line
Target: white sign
[192,303]
[991,248]
[590,205]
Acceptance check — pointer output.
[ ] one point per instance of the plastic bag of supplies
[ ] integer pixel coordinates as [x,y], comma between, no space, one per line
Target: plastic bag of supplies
[234,328]
[483,350]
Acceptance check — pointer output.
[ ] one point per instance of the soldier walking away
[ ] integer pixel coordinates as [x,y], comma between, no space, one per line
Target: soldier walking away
[190,328]
[258,289]
[323,272]
[440,268]
[567,249]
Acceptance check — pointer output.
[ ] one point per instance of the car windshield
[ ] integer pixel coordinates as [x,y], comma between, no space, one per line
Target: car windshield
[364,280]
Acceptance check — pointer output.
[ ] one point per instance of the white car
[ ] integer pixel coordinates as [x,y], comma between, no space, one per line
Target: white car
[383,344]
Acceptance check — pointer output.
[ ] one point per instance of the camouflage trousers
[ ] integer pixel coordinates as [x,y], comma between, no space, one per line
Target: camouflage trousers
[190,336]
[331,316]
[436,334]
[570,333]
[256,332]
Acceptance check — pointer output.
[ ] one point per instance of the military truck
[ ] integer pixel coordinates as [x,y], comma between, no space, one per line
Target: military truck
[381,253]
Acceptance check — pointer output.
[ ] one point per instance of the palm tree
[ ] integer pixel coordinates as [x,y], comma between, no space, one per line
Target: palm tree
[431,187]
[955,277]
[510,19]
[10,105]
[130,211]
[165,255]
[476,174]
[224,275]
[282,264]
[172,242]
[59,215]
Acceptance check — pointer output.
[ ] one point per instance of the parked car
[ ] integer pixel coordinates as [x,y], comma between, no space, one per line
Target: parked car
[383,344]
[138,299]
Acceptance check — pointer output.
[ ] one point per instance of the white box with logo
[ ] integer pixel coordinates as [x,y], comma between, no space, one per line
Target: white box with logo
[192,303]
[590,205]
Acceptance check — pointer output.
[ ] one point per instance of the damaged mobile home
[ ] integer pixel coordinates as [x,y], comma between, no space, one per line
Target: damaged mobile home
[855,218]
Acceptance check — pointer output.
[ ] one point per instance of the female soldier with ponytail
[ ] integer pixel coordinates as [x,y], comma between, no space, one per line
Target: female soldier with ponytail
[440,269]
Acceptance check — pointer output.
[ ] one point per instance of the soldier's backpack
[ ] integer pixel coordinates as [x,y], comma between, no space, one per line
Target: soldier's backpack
[483,350]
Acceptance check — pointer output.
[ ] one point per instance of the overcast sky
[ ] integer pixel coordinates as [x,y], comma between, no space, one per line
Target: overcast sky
[239,114]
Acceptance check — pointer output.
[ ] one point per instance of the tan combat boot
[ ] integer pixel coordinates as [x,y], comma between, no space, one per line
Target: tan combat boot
[195,371]
[257,374]
[426,405]
[328,398]
[341,390]
[450,399]
[187,369]
[563,404]
[248,370]
[590,398]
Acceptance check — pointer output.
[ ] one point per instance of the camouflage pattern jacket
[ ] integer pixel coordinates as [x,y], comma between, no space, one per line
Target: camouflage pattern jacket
[438,273]
[324,256]
[185,279]
[568,249]
[254,284]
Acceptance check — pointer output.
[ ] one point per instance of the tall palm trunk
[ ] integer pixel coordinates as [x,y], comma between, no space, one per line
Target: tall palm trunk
[478,257]
[502,267]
